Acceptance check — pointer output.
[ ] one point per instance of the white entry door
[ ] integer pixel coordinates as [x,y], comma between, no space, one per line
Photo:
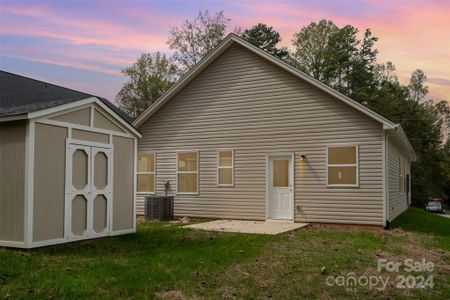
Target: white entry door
[280,190]
[88,191]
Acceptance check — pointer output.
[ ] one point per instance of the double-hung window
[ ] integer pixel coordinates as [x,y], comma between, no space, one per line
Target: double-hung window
[146,173]
[225,167]
[187,172]
[342,166]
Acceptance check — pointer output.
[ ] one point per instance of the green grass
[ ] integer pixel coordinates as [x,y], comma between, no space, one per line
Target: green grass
[421,221]
[156,258]
[164,260]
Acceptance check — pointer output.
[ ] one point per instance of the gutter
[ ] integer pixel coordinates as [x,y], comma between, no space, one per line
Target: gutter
[397,132]
[14,118]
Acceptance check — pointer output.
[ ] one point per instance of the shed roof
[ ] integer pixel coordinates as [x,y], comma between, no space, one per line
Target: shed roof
[22,95]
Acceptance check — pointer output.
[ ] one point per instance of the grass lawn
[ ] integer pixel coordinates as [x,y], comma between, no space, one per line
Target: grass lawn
[417,220]
[163,260]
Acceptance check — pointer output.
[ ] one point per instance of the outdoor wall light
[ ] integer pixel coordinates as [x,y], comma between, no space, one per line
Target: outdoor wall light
[302,156]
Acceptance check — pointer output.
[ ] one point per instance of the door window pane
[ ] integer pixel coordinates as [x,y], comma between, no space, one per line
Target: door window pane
[280,173]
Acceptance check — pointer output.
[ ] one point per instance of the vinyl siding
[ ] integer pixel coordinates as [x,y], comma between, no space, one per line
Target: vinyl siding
[243,102]
[397,203]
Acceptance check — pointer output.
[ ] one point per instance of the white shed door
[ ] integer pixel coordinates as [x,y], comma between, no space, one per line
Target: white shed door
[88,191]
[280,191]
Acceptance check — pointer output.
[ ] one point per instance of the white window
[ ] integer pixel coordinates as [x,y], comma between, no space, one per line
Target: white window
[187,172]
[225,167]
[401,177]
[146,173]
[342,166]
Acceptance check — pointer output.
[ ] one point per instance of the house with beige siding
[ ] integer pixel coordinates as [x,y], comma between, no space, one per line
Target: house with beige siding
[67,165]
[244,135]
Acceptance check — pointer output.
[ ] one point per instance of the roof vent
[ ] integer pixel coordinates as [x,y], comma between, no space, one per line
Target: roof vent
[46,88]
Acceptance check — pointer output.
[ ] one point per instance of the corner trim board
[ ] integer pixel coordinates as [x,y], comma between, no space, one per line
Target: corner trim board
[29,182]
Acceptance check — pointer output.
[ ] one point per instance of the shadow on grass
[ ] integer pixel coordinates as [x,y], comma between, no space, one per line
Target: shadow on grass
[155,238]
[160,256]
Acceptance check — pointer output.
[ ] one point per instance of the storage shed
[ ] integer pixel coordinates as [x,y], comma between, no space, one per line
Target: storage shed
[67,165]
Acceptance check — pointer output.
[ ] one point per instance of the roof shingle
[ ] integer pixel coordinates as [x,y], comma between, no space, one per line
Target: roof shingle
[21,95]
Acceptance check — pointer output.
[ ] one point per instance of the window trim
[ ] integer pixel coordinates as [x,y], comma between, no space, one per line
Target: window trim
[143,173]
[218,167]
[343,165]
[188,172]
[401,176]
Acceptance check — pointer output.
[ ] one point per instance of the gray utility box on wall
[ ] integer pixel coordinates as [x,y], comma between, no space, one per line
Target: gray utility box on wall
[158,208]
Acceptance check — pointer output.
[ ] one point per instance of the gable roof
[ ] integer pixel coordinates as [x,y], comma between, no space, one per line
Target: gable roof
[22,95]
[232,39]
[26,98]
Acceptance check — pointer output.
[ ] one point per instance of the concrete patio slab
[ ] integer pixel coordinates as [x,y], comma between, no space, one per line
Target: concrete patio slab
[257,227]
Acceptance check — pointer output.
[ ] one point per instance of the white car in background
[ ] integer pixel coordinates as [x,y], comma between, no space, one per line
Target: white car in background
[435,205]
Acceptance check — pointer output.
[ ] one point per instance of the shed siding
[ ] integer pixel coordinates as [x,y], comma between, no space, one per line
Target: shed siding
[49,182]
[90,136]
[100,121]
[397,203]
[80,117]
[123,191]
[12,180]
[242,101]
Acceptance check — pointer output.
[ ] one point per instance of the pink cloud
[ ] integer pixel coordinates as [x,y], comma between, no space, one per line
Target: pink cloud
[67,62]
[78,31]
[27,10]
[88,44]
[413,34]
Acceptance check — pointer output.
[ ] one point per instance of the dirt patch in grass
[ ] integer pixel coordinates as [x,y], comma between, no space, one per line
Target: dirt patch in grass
[166,261]
[298,266]
[349,227]
[172,295]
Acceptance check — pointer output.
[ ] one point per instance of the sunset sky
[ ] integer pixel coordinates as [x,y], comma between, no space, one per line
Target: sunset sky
[84,44]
